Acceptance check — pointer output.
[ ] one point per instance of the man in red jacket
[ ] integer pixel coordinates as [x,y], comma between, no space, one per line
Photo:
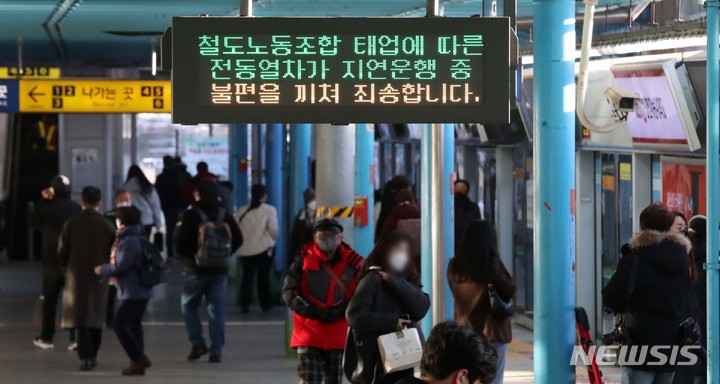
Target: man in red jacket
[318,287]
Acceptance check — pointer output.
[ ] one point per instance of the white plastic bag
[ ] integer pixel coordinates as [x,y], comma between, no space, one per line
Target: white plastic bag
[400,350]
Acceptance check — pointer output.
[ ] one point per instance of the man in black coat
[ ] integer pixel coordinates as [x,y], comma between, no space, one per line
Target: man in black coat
[49,218]
[85,242]
[169,187]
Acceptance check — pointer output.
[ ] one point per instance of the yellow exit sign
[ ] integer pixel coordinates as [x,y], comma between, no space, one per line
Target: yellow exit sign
[29,72]
[95,96]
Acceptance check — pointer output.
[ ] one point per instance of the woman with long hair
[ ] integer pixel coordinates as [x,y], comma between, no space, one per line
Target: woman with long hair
[258,222]
[472,273]
[146,199]
[388,297]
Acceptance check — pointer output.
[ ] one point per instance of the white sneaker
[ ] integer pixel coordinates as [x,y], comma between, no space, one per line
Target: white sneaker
[72,346]
[43,344]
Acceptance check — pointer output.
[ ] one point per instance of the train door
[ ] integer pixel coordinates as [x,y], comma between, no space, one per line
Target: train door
[523,230]
[616,218]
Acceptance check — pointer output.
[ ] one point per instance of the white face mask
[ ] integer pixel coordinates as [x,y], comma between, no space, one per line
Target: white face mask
[398,262]
[312,206]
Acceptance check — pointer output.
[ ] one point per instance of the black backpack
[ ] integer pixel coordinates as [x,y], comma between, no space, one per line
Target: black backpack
[214,241]
[151,268]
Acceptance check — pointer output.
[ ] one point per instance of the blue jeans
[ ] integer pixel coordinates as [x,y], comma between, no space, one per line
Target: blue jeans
[635,376]
[501,348]
[214,289]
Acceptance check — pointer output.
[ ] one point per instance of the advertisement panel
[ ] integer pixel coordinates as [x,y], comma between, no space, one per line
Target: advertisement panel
[683,185]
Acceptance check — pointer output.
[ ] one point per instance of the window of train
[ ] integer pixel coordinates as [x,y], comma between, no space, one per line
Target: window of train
[156,137]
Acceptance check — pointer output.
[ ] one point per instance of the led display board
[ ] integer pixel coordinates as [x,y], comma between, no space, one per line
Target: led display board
[340,70]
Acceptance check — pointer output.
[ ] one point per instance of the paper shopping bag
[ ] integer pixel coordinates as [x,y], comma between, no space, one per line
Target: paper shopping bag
[400,350]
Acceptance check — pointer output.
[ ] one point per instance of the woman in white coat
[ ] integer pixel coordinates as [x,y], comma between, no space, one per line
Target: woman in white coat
[146,199]
[259,225]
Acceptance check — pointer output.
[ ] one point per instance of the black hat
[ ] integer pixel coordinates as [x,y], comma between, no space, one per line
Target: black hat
[698,224]
[327,224]
[60,185]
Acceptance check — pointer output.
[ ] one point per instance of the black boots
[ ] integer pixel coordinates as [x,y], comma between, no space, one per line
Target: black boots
[197,352]
[88,364]
[138,367]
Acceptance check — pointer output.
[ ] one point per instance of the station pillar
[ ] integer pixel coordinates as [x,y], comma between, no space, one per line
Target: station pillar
[240,164]
[713,190]
[365,185]
[274,142]
[437,157]
[554,172]
[335,169]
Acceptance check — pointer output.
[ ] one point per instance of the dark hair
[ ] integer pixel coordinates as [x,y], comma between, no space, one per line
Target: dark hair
[680,215]
[137,173]
[452,347]
[464,182]
[202,166]
[656,217]
[91,196]
[387,202]
[257,192]
[478,254]
[129,216]
[379,255]
[208,191]
[167,161]
[120,191]
[404,196]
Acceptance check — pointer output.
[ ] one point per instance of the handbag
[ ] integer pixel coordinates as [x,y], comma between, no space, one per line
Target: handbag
[360,359]
[499,307]
[400,350]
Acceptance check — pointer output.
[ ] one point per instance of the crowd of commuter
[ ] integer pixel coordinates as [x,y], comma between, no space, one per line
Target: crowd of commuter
[341,301]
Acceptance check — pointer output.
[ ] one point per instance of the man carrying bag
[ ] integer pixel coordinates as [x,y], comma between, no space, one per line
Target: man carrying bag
[318,287]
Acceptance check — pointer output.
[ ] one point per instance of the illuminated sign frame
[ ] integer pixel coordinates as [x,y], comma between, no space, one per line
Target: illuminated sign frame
[94,96]
[489,101]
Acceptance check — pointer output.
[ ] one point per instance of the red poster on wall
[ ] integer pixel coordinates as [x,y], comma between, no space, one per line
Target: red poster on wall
[683,185]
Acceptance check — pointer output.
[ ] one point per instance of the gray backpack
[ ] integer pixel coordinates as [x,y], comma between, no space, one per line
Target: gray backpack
[214,241]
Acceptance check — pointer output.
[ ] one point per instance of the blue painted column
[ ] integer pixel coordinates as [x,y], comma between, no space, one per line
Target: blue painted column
[449,209]
[554,175]
[240,164]
[300,147]
[713,190]
[274,141]
[426,217]
[364,184]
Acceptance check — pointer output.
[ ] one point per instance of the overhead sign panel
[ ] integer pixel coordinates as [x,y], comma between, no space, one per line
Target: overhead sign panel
[340,70]
[9,96]
[30,72]
[94,96]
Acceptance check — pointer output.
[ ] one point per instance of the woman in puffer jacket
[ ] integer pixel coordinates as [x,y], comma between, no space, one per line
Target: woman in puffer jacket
[132,296]
[651,286]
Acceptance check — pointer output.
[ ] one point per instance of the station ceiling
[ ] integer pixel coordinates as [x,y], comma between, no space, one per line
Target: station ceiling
[116,33]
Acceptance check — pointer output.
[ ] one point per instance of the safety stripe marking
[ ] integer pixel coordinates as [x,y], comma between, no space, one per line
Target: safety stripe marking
[332,212]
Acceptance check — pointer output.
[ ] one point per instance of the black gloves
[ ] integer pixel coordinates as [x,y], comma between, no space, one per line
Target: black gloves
[305,309]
